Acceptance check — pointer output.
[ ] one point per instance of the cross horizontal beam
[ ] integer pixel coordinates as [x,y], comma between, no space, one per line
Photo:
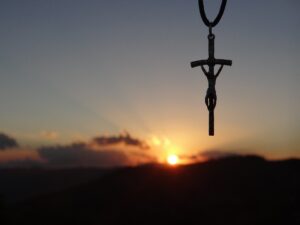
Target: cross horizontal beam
[211,62]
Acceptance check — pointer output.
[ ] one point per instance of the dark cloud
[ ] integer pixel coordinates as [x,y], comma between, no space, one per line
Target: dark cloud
[209,155]
[215,154]
[81,155]
[22,163]
[7,142]
[126,139]
[111,151]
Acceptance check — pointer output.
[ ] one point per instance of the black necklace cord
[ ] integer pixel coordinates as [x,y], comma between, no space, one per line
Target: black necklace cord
[217,19]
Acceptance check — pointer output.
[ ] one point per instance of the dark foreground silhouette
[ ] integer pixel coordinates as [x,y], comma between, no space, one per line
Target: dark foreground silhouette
[236,190]
[20,184]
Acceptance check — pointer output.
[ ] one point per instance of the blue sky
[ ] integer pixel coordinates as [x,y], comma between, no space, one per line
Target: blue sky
[81,68]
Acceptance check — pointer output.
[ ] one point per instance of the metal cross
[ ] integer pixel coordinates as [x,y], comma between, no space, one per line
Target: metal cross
[211,62]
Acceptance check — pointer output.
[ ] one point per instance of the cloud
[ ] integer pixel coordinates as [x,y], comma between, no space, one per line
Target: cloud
[7,142]
[103,151]
[207,155]
[125,139]
[20,158]
[81,155]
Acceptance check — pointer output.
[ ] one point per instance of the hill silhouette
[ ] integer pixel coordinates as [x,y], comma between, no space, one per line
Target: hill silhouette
[18,184]
[235,190]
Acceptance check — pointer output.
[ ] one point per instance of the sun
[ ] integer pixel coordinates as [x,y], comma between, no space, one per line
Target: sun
[172,159]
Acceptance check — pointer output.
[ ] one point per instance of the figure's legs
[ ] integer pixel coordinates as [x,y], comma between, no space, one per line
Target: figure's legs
[211,101]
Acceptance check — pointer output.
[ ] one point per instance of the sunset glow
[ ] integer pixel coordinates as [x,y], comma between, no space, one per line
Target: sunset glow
[172,160]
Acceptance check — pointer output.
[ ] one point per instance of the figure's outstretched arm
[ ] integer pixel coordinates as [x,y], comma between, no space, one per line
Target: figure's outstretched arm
[219,71]
[204,70]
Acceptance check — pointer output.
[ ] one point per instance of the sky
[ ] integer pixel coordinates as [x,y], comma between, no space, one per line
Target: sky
[72,71]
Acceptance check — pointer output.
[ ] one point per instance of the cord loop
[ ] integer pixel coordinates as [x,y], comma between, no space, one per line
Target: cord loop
[217,19]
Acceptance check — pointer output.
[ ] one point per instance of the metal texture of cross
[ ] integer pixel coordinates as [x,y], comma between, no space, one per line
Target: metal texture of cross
[211,62]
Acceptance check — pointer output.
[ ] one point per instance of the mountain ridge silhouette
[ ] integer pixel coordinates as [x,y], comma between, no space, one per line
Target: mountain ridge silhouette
[233,190]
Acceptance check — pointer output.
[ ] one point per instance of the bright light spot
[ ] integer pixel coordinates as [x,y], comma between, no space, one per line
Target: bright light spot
[172,159]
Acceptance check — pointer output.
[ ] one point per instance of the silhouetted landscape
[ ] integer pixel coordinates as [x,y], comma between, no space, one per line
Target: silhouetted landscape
[233,190]
[19,184]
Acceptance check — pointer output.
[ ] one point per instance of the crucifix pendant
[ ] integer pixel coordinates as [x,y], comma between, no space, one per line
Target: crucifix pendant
[211,62]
